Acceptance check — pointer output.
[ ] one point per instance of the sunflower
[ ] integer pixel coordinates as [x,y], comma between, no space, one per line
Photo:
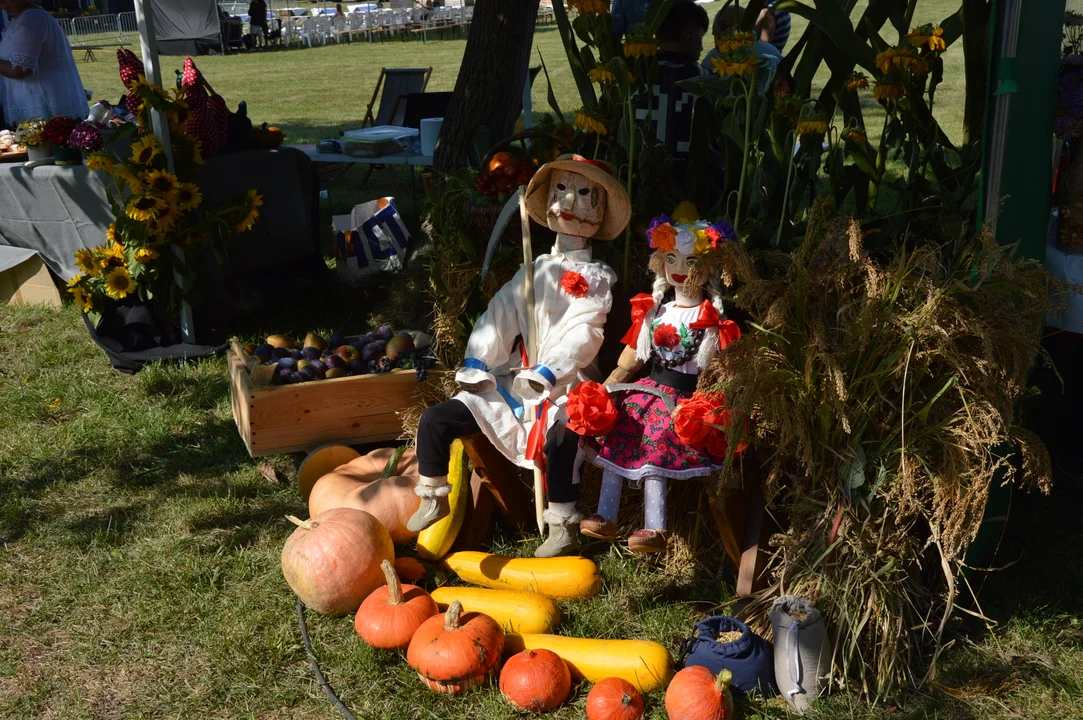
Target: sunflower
[601,75]
[186,197]
[145,149]
[734,41]
[902,58]
[178,117]
[82,298]
[856,136]
[84,259]
[78,281]
[254,201]
[197,151]
[160,182]
[165,219]
[639,46]
[145,255]
[119,283]
[857,81]
[589,7]
[789,107]
[123,176]
[144,207]
[99,161]
[813,126]
[724,67]
[589,123]
[928,36]
[110,256]
[111,234]
[888,90]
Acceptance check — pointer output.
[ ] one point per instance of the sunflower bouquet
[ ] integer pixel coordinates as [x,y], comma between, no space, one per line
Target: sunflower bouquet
[161,222]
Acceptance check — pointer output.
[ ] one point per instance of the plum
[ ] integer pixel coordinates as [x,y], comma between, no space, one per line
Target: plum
[280,353]
[296,354]
[357,365]
[384,333]
[296,377]
[264,352]
[368,337]
[311,353]
[374,350]
[336,361]
[322,365]
[308,371]
[287,362]
[281,377]
[337,339]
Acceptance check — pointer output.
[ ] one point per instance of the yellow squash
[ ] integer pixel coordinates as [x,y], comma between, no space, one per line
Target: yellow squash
[516,612]
[643,663]
[435,541]
[562,578]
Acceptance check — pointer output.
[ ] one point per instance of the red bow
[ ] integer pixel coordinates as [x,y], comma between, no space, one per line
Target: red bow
[708,318]
[641,303]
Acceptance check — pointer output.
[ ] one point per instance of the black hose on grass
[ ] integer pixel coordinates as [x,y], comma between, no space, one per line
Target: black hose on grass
[327,689]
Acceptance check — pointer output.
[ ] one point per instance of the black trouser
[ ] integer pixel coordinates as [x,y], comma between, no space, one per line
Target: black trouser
[442,423]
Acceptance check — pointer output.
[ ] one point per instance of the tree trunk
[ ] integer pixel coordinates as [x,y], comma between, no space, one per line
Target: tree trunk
[489,90]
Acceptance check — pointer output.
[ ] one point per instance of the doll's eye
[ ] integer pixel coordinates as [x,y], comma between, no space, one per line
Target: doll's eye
[670,259]
[562,187]
[692,259]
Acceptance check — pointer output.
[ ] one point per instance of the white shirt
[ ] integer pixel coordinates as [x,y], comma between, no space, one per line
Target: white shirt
[35,41]
[676,320]
[570,330]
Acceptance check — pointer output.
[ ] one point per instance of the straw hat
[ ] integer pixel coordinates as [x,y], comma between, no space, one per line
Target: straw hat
[618,208]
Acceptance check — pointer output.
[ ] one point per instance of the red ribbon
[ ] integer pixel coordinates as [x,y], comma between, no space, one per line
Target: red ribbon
[523,354]
[535,442]
[708,318]
[641,303]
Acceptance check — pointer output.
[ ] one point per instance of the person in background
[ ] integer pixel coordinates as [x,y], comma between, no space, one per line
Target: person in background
[769,56]
[627,14]
[38,76]
[680,44]
[257,22]
[774,26]
[338,11]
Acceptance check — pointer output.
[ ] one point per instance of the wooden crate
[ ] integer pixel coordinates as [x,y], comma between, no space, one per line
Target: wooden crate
[295,418]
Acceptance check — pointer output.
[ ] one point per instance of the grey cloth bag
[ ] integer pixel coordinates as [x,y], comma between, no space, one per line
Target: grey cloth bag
[802,650]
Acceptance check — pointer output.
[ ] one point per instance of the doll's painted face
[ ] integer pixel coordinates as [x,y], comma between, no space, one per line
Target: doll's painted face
[576,204]
[678,267]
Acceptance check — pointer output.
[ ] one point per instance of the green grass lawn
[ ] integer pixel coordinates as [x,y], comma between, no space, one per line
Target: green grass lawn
[139,565]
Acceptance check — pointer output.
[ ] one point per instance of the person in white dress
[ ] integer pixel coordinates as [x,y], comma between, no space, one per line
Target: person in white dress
[38,76]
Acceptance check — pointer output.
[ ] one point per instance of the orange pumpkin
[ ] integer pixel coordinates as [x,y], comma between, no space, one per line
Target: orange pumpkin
[358,484]
[696,694]
[503,160]
[535,680]
[267,136]
[391,615]
[614,699]
[456,651]
[409,569]
[332,561]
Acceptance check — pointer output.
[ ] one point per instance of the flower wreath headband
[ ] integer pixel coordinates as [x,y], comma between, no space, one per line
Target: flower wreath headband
[687,234]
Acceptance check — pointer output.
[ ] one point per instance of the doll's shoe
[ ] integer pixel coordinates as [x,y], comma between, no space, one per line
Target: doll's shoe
[596,526]
[433,508]
[562,539]
[647,541]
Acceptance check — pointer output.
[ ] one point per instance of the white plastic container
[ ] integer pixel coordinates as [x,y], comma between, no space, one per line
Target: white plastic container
[430,133]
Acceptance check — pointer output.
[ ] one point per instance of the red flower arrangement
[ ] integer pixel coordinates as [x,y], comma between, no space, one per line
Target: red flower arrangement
[57,131]
[574,284]
[591,411]
[701,422]
[666,336]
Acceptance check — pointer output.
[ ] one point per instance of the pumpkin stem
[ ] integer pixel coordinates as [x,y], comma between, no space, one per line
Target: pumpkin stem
[451,617]
[306,524]
[394,587]
[626,700]
[722,682]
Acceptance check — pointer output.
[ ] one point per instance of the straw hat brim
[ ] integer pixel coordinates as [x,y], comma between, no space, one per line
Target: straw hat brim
[618,208]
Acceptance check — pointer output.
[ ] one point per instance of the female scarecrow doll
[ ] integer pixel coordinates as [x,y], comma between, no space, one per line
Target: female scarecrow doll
[659,428]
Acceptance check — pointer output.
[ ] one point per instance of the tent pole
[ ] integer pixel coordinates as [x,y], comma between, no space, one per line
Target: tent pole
[149,45]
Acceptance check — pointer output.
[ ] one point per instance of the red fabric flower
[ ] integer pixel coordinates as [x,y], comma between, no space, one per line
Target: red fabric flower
[666,336]
[591,411]
[58,130]
[574,284]
[701,423]
[641,303]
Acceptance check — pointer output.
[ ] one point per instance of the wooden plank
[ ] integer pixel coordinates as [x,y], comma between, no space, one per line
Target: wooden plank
[514,498]
[729,514]
[239,390]
[478,522]
[752,557]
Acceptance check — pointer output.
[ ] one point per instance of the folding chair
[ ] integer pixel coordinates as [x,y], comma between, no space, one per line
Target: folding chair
[394,82]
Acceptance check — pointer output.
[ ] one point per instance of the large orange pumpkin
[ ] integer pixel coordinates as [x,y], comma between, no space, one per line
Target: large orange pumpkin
[358,484]
[456,651]
[332,562]
[535,680]
[391,615]
[614,699]
[696,694]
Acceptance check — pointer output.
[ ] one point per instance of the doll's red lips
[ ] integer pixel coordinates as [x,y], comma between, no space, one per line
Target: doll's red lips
[679,278]
[567,216]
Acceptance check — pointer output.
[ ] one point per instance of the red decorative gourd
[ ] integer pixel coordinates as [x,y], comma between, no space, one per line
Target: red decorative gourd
[535,680]
[614,699]
[696,694]
[456,651]
[332,561]
[391,615]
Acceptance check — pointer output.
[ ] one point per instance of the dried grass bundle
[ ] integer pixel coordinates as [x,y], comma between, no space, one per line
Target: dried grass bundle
[882,396]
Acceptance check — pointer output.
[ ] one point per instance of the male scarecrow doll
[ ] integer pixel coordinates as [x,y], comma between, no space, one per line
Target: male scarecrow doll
[512,398]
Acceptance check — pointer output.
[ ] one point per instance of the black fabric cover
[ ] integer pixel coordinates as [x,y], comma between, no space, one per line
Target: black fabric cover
[186,27]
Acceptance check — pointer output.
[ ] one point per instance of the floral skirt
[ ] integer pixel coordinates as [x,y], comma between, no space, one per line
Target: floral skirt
[643,442]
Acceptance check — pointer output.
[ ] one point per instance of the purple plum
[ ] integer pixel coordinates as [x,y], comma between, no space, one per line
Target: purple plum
[281,352]
[311,353]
